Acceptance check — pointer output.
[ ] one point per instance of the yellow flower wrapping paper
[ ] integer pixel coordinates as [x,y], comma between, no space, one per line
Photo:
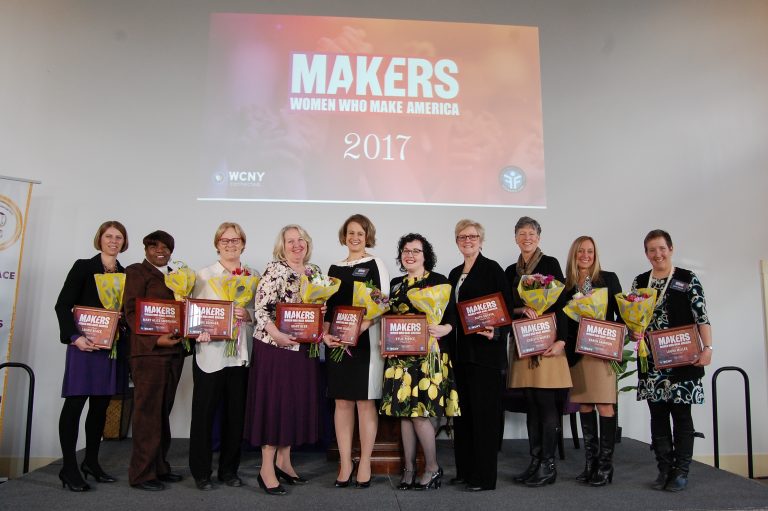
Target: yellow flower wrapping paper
[592,306]
[540,299]
[111,287]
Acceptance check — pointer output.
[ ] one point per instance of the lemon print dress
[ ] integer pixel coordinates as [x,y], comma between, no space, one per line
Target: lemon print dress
[410,388]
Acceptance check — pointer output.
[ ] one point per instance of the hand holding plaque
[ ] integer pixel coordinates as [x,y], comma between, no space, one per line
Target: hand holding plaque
[304,321]
[346,324]
[211,316]
[673,347]
[97,325]
[534,336]
[156,317]
[404,334]
[480,313]
[601,339]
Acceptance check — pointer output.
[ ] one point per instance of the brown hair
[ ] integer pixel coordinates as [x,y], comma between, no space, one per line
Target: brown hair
[365,223]
[103,228]
[657,233]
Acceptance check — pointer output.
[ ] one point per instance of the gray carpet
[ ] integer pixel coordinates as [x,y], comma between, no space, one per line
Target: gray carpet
[708,489]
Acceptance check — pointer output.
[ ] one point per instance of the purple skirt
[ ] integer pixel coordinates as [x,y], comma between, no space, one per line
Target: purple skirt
[93,374]
[282,408]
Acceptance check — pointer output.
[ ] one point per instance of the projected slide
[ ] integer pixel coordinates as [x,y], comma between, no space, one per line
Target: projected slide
[320,109]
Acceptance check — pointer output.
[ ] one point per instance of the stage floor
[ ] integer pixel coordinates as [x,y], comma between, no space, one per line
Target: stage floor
[708,488]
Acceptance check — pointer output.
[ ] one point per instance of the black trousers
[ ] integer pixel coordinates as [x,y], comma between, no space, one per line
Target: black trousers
[660,419]
[478,430]
[225,388]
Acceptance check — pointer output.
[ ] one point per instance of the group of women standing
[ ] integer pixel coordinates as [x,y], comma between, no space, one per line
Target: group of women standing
[274,403]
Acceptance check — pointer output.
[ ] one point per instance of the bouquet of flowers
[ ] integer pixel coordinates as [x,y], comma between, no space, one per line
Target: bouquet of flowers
[636,309]
[239,288]
[592,305]
[539,291]
[181,280]
[317,288]
[111,287]
[376,303]
[432,302]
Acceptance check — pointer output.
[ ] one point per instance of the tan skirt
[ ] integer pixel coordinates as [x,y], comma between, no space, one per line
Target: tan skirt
[593,381]
[551,373]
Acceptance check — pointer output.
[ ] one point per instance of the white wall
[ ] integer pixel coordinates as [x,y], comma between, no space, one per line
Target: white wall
[655,115]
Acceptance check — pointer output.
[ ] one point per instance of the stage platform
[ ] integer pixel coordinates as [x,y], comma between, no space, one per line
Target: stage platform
[709,488]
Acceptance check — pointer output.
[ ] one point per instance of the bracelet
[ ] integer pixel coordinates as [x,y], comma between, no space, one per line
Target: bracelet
[710,348]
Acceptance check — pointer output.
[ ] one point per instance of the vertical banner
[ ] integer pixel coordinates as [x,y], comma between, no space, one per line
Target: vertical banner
[15,195]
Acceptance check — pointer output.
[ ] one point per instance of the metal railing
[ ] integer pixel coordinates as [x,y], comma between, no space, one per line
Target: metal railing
[750,465]
[30,403]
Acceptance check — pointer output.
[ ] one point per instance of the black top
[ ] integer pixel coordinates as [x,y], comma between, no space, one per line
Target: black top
[547,266]
[79,289]
[400,304]
[605,279]
[484,278]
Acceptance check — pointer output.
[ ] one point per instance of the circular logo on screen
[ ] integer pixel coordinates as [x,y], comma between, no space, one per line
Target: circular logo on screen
[219,177]
[10,222]
[512,179]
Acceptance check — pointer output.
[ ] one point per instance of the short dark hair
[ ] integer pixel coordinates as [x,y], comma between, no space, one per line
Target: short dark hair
[153,238]
[365,223]
[103,228]
[430,259]
[657,233]
[526,221]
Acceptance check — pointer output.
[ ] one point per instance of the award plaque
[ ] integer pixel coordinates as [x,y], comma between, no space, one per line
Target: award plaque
[157,317]
[404,335]
[479,313]
[674,347]
[601,339]
[534,336]
[346,323]
[212,316]
[304,321]
[97,325]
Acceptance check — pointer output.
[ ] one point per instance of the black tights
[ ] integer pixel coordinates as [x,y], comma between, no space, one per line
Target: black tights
[69,426]
[660,414]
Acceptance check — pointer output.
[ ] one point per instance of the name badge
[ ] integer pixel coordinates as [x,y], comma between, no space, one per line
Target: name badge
[360,272]
[679,285]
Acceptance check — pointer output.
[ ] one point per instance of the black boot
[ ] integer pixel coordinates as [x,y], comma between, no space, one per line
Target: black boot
[662,447]
[534,442]
[547,472]
[604,472]
[678,478]
[589,433]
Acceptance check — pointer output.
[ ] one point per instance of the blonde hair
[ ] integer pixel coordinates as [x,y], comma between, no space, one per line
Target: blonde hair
[278,252]
[365,223]
[222,229]
[465,223]
[572,268]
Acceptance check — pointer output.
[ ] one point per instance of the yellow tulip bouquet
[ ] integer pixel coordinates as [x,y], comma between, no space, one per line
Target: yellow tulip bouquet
[111,287]
[239,288]
[181,280]
[432,302]
[636,309]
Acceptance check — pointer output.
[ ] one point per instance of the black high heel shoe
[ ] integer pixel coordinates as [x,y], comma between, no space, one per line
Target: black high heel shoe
[404,483]
[74,483]
[275,490]
[434,482]
[344,484]
[97,473]
[289,479]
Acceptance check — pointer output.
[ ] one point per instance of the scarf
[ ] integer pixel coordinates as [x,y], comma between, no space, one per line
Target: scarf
[527,269]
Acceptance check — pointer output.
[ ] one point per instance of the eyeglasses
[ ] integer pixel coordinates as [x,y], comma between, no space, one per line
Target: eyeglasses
[230,241]
[408,251]
[467,237]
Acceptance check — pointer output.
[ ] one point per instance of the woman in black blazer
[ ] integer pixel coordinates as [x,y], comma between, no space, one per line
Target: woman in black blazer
[594,381]
[89,374]
[543,378]
[478,362]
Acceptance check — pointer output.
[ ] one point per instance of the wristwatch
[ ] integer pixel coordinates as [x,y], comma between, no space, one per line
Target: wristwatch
[709,348]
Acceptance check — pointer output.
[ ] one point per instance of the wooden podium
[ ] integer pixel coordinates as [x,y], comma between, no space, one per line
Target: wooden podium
[387,456]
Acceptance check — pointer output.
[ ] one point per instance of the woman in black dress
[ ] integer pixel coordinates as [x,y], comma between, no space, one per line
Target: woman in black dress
[90,375]
[355,381]
[479,360]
